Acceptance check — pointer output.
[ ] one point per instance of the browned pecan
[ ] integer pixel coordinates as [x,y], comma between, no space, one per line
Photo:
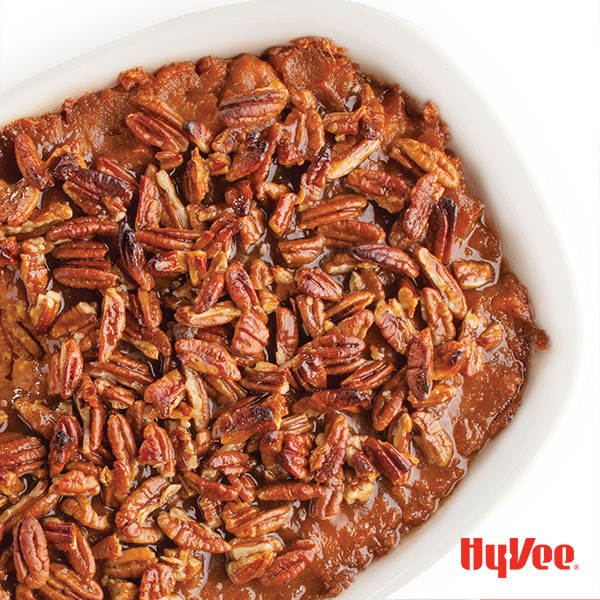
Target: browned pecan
[64,445]
[37,415]
[165,393]
[347,156]
[313,180]
[266,377]
[393,464]
[290,564]
[389,401]
[330,453]
[207,488]
[77,483]
[207,357]
[34,272]
[302,251]
[473,358]
[248,521]
[248,417]
[112,323]
[239,286]
[30,553]
[250,557]
[156,132]
[390,192]
[312,313]
[158,582]
[188,533]
[441,278]
[351,232]
[250,335]
[283,213]
[422,196]
[80,508]
[314,282]
[30,163]
[431,438]
[327,401]
[96,192]
[333,210]
[492,337]
[386,257]
[131,520]
[157,450]
[437,315]
[17,202]
[369,376]
[131,563]
[430,159]
[133,257]
[108,548]
[472,274]
[394,325]
[442,223]
[66,583]
[331,503]
[419,368]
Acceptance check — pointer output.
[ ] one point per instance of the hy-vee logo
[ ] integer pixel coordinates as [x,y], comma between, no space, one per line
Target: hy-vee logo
[513,556]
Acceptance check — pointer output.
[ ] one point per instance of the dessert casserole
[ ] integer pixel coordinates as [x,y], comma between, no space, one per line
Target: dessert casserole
[254,327]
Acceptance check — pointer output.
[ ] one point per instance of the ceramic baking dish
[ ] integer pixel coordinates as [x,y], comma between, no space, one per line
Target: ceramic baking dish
[397,51]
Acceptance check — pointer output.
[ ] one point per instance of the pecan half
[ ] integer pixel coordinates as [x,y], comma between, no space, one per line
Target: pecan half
[30,553]
[188,533]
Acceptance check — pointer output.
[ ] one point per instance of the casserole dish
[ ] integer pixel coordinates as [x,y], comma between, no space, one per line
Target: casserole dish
[397,52]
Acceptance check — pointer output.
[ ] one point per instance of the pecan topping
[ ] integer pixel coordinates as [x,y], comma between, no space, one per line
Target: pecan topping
[240,298]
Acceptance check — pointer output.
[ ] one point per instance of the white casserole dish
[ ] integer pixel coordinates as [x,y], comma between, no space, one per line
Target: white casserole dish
[397,51]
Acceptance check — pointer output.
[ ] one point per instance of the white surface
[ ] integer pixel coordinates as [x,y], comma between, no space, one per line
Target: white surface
[539,67]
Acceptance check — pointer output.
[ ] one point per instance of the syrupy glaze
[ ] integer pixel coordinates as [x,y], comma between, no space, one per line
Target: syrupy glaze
[485,403]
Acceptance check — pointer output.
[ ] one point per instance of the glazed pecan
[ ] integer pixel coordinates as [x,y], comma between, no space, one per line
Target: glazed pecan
[472,274]
[30,553]
[394,325]
[249,558]
[290,564]
[157,450]
[207,357]
[131,519]
[385,257]
[64,445]
[188,533]
[431,438]
[431,160]
[247,521]
[441,278]
[388,191]
[419,368]
[330,453]
[112,323]
[393,464]
[66,583]
[30,163]
[249,417]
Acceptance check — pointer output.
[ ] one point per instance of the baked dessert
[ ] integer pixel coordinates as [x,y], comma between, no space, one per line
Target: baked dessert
[253,329]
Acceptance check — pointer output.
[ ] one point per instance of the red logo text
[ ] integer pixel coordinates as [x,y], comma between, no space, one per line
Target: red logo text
[513,556]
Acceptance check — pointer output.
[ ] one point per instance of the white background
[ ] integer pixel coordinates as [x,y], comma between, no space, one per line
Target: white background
[537,61]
